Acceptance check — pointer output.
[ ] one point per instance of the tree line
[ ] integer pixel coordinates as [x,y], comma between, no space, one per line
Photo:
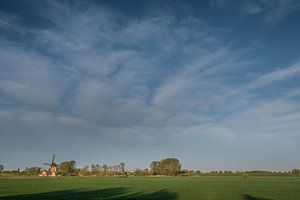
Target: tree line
[164,167]
[68,168]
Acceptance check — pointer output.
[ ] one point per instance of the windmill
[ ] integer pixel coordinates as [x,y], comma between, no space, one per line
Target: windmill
[52,171]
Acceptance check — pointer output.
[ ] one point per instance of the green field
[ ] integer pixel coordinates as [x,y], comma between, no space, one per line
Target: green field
[206,187]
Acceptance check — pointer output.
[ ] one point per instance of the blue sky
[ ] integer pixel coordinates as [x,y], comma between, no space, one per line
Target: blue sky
[213,83]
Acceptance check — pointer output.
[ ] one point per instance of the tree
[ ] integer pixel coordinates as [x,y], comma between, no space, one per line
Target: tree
[146,172]
[138,172]
[68,168]
[122,167]
[105,167]
[33,170]
[1,168]
[94,169]
[168,166]
[85,171]
[155,168]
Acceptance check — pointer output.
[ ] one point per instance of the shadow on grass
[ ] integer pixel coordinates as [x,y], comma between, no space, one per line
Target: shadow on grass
[107,194]
[249,197]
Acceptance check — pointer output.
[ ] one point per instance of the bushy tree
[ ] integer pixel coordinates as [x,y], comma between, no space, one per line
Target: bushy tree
[155,168]
[168,167]
[68,168]
[1,168]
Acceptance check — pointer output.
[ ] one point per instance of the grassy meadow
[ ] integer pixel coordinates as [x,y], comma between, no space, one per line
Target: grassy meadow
[206,187]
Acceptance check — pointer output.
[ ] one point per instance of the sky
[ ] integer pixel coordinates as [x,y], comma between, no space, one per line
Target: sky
[213,83]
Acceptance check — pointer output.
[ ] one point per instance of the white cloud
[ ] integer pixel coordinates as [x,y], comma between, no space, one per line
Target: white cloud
[27,76]
[270,118]
[9,22]
[276,75]
[280,9]
[221,3]
[106,82]
[271,11]
[253,8]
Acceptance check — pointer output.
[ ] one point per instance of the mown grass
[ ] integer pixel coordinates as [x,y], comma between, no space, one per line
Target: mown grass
[221,187]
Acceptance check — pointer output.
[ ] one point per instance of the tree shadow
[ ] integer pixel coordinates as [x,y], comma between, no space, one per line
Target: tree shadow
[102,194]
[250,197]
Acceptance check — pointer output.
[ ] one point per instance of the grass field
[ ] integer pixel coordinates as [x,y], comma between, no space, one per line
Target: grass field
[251,188]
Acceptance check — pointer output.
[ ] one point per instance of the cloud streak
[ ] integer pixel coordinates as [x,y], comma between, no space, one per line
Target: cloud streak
[276,75]
[270,11]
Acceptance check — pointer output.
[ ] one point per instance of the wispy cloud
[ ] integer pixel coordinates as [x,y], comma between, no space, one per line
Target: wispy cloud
[253,8]
[26,75]
[278,10]
[271,11]
[276,75]
[9,21]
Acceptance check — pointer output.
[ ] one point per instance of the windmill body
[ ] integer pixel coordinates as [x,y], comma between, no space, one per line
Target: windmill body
[53,169]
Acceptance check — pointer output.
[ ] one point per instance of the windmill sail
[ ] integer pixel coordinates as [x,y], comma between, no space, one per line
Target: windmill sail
[53,159]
